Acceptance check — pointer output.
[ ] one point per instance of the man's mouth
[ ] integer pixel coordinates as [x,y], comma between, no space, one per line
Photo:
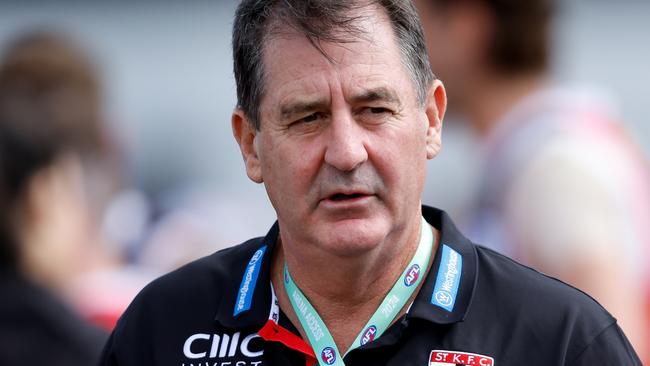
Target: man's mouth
[343,197]
[347,200]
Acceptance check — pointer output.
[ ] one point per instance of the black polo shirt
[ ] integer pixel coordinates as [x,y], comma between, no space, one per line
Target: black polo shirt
[476,307]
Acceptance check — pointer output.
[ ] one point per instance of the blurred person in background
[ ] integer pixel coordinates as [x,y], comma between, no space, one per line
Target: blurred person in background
[563,188]
[52,181]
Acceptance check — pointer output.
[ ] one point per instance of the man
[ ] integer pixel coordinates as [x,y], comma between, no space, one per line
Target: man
[338,113]
[563,189]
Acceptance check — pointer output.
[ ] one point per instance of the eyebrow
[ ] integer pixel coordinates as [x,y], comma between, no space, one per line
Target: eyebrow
[292,109]
[301,107]
[377,94]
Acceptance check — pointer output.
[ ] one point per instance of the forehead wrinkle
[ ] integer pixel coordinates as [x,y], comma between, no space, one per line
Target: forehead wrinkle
[308,92]
[300,90]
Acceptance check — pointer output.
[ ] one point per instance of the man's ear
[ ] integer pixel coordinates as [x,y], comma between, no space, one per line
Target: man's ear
[435,108]
[245,134]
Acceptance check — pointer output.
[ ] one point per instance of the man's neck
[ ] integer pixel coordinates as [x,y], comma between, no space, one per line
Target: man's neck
[345,291]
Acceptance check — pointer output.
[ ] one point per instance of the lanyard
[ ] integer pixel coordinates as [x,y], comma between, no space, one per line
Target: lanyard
[319,336]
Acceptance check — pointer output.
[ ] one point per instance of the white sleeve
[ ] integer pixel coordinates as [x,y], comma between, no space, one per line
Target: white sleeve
[576,198]
[580,212]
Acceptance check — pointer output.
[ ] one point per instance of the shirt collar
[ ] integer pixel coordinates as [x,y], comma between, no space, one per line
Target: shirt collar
[424,306]
[250,282]
[443,285]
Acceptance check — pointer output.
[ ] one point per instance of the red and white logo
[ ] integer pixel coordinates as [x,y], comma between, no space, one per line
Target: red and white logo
[369,334]
[412,275]
[328,355]
[453,358]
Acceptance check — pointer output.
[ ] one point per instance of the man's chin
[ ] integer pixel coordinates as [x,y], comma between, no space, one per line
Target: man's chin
[352,237]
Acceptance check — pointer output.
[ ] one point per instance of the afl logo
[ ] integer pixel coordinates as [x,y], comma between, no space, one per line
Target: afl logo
[369,334]
[328,355]
[412,275]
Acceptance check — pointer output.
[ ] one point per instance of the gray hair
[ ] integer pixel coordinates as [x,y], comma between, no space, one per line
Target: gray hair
[320,21]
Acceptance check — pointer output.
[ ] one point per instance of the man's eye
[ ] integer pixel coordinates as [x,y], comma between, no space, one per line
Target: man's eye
[375,112]
[310,118]
[308,123]
[378,110]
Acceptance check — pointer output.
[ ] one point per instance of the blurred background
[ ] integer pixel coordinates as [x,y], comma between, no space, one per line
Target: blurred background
[167,92]
[169,89]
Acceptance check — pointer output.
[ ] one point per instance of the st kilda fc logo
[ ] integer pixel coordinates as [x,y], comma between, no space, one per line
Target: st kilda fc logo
[453,358]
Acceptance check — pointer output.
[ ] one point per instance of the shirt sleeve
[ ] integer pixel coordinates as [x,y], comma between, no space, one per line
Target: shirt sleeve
[609,348]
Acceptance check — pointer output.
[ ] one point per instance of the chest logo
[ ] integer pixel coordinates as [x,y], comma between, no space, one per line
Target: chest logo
[204,345]
[453,358]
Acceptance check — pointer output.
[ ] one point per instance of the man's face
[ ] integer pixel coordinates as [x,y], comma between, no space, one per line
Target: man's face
[343,142]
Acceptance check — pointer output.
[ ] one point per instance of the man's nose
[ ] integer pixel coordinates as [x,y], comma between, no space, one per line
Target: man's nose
[346,148]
